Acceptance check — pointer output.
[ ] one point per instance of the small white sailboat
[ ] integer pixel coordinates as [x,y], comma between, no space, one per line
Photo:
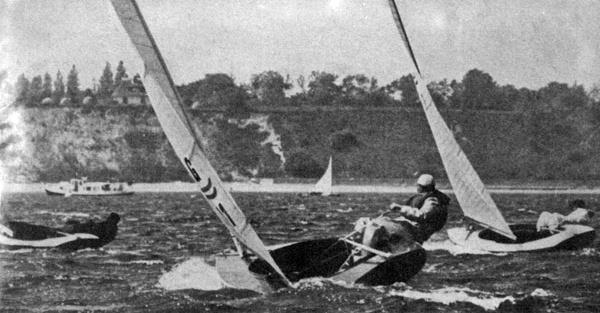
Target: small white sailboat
[324,187]
[474,199]
[254,266]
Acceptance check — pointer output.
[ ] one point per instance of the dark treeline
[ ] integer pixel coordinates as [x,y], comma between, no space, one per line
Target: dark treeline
[48,91]
[476,91]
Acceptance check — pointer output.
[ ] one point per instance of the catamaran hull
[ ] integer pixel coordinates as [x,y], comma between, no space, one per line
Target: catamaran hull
[318,258]
[568,237]
[68,242]
[72,236]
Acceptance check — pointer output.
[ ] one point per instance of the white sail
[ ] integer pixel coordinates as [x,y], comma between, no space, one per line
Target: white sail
[324,185]
[181,134]
[474,199]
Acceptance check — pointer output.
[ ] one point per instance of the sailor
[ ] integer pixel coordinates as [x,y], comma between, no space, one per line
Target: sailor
[422,215]
[553,221]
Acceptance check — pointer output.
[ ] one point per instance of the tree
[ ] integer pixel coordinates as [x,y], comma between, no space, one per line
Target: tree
[509,97]
[480,90]
[47,86]
[301,164]
[219,90]
[120,74]
[456,99]
[73,85]
[440,92]
[270,87]
[406,87]
[561,97]
[22,89]
[106,82]
[301,81]
[35,90]
[363,91]
[59,88]
[322,90]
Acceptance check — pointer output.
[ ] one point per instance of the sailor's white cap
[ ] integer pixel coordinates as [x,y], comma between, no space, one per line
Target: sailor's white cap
[425,180]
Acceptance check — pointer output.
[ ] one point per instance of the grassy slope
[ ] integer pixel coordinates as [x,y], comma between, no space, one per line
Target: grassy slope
[127,144]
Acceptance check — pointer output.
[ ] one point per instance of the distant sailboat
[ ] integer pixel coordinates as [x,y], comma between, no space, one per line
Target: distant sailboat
[261,268]
[474,199]
[324,186]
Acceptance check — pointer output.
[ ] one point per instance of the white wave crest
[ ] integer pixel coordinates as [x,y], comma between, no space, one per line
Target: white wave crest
[67,214]
[450,295]
[16,251]
[194,273]
[145,262]
[541,293]
[587,252]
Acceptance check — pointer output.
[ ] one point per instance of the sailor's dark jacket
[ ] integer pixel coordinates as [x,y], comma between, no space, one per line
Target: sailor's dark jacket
[431,221]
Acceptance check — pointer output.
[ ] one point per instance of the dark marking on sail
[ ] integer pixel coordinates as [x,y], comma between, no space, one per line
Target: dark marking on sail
[212,195]
[207,187]
[191,169]
[222,209]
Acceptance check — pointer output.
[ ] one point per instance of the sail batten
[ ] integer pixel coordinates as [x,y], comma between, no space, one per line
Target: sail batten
[181,134]
[474,199]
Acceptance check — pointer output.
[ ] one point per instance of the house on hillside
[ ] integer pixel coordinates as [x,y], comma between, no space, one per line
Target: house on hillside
[129,92]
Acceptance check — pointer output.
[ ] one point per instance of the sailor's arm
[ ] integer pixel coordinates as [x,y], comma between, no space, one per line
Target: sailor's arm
[429,206]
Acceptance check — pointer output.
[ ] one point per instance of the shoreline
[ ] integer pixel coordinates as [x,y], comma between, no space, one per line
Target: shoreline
[249,187]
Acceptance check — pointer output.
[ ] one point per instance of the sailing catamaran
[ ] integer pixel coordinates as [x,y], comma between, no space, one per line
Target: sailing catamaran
[254,266]
[474,199]
[324,187]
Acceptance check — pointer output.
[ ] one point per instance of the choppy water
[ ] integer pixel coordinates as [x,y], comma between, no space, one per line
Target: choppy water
[160,261]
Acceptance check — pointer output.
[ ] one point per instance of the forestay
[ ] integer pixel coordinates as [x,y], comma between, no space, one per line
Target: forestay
[181,134]
[474,199]
[324,185]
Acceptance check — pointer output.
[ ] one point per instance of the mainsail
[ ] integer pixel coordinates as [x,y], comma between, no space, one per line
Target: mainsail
[182,135]
[474,199]
[324,185]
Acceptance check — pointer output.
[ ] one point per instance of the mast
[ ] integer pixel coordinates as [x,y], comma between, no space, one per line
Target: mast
[474,199]
[182,135]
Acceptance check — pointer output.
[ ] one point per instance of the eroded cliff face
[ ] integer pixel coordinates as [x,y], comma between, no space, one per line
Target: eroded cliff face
[127,144]
[55,144]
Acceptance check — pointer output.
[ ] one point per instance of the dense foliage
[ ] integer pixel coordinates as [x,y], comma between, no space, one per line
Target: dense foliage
[371,130]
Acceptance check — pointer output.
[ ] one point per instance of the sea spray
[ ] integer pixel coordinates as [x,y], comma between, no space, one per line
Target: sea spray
[448,295]
[194,273]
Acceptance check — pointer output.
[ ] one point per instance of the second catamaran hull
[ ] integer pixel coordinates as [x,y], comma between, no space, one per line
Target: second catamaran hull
[528,238]
[319,258]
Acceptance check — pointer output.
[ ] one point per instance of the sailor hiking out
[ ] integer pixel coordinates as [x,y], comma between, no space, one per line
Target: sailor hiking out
[422,215]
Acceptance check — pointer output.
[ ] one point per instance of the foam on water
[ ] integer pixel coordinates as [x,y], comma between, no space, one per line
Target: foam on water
[194,273]
[587,252]
[450,295]
[145,262]
[67,214]
[16,251]
[452,248]
[81,308]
